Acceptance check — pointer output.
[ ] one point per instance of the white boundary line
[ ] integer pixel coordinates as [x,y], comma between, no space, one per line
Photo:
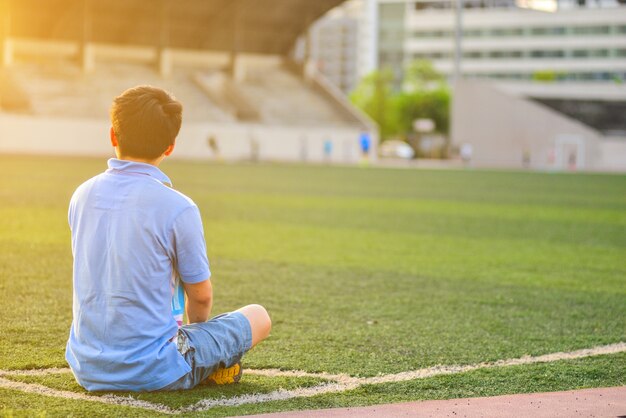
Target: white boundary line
[65,394]
[339,382]
[440,370]
[34,372]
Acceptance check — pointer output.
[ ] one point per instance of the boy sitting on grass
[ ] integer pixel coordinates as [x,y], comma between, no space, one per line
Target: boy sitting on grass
[133,236]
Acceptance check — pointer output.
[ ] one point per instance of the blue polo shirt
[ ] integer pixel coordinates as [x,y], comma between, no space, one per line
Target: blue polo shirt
[131,235]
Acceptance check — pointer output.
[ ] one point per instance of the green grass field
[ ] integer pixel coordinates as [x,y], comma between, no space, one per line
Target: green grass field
[364,271]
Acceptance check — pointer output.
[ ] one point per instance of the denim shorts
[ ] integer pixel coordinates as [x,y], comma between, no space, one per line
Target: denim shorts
[207,346]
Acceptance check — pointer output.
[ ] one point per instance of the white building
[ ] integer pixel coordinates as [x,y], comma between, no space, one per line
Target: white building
[575,42]
[343,43]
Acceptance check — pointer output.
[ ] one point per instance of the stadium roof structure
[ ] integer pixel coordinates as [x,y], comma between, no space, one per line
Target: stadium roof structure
[246,26]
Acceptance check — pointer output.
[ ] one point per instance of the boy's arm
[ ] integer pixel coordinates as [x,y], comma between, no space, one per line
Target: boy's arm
[199,301]
[192,265]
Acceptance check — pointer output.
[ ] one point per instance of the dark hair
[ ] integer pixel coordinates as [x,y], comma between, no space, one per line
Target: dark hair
[146,121]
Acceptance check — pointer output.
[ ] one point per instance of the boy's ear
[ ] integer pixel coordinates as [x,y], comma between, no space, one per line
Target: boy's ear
[113,138]
[169,150]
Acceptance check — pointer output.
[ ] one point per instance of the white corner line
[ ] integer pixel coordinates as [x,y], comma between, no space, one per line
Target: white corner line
[278,395]
[35,372]
[336,382]
[65,394]
[441,369]
[345,382]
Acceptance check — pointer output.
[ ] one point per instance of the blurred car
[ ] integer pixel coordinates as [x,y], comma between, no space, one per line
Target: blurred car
[395,148]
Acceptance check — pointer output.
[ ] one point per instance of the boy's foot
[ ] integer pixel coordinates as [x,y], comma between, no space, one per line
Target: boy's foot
[225,375]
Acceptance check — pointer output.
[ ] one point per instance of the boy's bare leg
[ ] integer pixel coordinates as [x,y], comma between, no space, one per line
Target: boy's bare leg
[260,325]
[260,322]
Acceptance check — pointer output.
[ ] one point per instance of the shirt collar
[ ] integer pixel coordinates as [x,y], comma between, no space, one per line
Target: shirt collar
[138,168]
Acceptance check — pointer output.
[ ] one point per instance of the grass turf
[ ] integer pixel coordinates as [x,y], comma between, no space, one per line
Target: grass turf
[363,270]
[601,371]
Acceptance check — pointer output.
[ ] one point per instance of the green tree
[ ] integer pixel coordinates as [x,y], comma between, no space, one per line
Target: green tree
[425,95]
[374,95]
[421,104]
[421,75]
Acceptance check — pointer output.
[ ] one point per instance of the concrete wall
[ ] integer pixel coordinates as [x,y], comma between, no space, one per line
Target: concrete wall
[65,136]
[501,128]
[613,151]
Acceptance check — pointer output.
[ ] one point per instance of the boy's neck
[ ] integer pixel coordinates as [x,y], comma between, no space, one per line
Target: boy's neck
[155,162]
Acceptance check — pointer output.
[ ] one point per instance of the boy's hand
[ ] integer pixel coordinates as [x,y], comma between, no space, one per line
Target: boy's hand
[199,301]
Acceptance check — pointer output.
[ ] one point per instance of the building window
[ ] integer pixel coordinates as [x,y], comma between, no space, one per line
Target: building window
[599,76]
[555,31]
[505,54]
[591,30]
[547,54]
[507,32]
[472,33]
[432,5]
[433,55]
[473,55]
[432,34]
[591,53]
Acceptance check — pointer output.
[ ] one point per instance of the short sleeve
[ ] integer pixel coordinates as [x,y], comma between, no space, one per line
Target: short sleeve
[70,210]
[189,246]
[69,213]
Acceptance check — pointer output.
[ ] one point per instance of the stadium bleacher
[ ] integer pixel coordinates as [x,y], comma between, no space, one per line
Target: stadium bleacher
[271,93]
[59,88]
[273,104]
[229,63]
